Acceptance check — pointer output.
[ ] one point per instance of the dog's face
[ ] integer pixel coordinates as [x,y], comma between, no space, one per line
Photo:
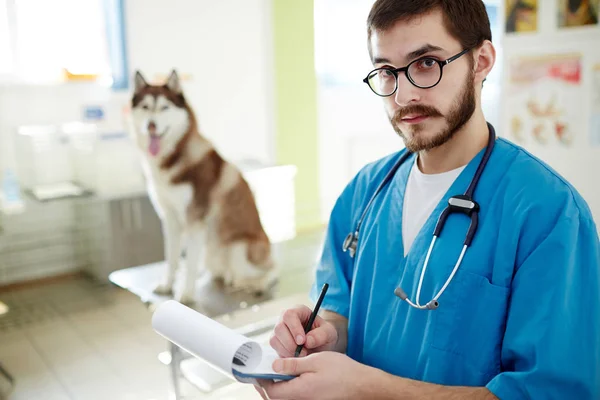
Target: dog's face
[160,114]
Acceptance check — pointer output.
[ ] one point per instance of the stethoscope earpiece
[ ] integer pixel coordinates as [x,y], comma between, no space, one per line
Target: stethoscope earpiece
[432,305]
[400,293]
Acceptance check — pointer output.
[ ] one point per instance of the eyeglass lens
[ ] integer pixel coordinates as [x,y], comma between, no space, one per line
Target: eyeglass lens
[423,73]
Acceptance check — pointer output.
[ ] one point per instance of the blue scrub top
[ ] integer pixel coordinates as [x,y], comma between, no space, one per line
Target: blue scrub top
[522,314]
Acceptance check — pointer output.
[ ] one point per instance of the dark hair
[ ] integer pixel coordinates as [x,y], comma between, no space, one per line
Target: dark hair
[465,20]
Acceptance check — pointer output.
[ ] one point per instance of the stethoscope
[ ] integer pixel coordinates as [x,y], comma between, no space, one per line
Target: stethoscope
[456,204]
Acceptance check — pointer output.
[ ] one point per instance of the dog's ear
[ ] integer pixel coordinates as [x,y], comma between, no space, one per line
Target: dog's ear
[173,82]
[140,82]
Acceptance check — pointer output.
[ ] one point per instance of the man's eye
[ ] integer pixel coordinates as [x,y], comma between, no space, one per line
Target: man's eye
[427,63]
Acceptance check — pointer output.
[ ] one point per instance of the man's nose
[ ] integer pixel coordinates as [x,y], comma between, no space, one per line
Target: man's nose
[406,92]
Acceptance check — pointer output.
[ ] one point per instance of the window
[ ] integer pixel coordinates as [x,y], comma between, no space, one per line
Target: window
[60,40]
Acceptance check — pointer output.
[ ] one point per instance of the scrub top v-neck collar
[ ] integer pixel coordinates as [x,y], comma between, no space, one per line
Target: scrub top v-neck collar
[459,186]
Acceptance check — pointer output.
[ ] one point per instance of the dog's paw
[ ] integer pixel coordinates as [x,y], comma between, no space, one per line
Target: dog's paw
[219,281]
[163,289]
[262,288]
[186,299]
[229,289]
[258,291]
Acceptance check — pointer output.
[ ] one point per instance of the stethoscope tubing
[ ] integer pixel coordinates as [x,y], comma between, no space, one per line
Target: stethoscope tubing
[461,203]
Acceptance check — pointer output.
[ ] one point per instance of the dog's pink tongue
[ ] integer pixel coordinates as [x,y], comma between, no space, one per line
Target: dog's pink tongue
[154,146]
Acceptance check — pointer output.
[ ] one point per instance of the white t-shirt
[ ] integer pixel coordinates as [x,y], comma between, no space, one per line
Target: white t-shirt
[423,194]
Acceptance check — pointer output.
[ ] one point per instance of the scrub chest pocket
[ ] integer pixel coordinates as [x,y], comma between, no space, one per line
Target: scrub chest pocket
[471,321]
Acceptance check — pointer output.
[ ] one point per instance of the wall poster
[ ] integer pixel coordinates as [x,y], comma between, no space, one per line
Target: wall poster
[545,98]
[577,13]
[595,107]
[521,15]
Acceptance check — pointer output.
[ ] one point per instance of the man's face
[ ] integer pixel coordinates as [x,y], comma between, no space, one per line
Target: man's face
[425,118]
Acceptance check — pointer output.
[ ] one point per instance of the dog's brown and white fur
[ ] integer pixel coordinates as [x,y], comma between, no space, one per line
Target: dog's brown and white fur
[198,195]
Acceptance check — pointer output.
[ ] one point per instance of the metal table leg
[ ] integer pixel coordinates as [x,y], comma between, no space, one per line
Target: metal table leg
[175,370]
[9,378]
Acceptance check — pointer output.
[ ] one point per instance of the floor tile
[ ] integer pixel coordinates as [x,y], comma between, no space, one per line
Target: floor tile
[82,340]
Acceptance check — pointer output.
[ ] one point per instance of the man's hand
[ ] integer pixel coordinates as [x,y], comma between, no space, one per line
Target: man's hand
[325,375]
[289,333]
[330,375]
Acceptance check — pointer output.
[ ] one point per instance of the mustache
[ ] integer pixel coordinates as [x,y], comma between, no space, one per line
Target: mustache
[419,109]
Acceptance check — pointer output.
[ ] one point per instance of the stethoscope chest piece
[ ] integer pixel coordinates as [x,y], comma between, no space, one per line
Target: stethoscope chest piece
[350,243]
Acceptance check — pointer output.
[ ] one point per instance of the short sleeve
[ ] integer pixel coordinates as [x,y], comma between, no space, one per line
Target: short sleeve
[551,347]
[334,266]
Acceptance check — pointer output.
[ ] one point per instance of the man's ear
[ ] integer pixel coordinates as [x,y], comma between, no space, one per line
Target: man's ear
[173,82]
[485,58]
[140,82]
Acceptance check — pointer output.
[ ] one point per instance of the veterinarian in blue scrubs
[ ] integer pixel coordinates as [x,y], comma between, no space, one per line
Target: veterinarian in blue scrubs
[505,302]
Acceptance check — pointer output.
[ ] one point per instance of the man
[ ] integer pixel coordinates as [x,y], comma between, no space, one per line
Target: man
[520,316]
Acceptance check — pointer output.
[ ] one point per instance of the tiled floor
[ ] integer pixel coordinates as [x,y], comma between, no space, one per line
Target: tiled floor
[80,340]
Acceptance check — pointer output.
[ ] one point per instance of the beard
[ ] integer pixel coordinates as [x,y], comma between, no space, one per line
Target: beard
[461,112]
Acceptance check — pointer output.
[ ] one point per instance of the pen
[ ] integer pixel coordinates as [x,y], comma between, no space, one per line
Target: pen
[313,315]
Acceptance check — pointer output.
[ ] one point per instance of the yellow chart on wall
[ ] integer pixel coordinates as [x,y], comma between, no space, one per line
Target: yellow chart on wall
[578,13]
[521,15]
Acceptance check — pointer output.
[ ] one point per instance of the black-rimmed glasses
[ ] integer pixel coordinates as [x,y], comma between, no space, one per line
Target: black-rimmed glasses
[424,73]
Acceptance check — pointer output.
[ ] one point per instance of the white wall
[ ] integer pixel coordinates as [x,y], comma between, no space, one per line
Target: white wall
[353,130]
[224,46]
[353,127]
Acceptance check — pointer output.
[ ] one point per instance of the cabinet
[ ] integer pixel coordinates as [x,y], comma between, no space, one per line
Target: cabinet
[42,241]
[120,233]
[126,231]
[3,260]
[102,234]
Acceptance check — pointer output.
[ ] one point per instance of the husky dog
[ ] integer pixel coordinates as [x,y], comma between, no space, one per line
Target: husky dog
[198,195]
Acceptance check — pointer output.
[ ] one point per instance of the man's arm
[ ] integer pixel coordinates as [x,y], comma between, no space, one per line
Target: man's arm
[330,375]
[341,326]
[385,386]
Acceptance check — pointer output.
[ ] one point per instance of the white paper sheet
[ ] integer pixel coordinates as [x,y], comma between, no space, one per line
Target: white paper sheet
[215,343]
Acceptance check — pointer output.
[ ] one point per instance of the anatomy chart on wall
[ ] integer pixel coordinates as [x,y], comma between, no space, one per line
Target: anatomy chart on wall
[577,13]
[521,15]
[545,99]
[595,107]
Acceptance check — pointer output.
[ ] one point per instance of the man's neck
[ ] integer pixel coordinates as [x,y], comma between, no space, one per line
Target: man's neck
[458,151]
